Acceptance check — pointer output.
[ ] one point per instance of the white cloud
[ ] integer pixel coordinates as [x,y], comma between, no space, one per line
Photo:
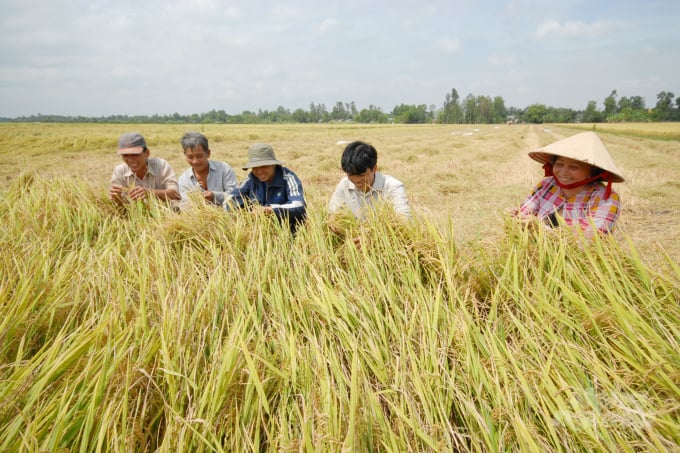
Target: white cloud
[120,23]
[194,6]
[232,13]
[514,76]
[555,29]
[448,45]
[236,41]
[327,25]
[187,56]
[649,51]
[229,89]
[502,60]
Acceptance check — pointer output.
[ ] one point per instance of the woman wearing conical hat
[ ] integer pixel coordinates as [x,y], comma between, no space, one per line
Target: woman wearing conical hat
[578,185]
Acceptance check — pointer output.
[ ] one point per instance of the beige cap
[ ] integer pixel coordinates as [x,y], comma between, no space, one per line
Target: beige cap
[261,154]
[585,147]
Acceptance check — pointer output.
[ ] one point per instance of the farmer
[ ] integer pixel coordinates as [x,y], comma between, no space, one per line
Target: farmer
[211,180]
[141,176]
[270,188]
[364,186]
[578,186]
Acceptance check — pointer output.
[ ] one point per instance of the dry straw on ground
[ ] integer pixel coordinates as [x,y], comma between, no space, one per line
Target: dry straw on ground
[466,175]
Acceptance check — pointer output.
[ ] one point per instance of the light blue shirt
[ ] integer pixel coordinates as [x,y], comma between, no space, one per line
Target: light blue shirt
[221,182]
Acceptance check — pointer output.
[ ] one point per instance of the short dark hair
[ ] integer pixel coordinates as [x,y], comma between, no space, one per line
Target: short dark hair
[192,139]
[358,157]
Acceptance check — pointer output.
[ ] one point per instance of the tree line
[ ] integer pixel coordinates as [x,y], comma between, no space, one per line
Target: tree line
[454,110]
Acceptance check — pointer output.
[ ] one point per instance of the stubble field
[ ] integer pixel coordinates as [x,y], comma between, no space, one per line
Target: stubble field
[466,175]
[147,330]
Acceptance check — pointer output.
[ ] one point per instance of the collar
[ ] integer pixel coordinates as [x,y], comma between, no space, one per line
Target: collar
[211,167]
[378,184]
[276,182]
[149,170]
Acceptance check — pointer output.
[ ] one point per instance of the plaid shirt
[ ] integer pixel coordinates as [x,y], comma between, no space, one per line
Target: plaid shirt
[583,208]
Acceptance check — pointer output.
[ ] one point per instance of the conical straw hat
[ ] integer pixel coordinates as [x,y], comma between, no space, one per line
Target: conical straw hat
[585,147]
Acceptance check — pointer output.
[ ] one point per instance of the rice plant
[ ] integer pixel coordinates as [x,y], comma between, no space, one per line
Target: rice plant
[143,329]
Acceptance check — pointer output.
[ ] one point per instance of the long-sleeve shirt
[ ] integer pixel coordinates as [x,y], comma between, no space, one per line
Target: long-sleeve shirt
[284,195]
[384,188]
[221,182]
[159,175]
[585,207]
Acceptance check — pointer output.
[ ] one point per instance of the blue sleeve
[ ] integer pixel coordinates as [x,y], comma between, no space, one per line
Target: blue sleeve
[239,195]
[295,207]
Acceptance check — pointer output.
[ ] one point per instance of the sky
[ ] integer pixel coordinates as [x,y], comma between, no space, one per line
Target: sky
[145,57]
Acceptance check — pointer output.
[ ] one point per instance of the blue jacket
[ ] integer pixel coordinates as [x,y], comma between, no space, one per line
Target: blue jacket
[285,195]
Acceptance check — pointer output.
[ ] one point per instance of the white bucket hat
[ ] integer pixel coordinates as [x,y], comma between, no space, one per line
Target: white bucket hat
[585,147]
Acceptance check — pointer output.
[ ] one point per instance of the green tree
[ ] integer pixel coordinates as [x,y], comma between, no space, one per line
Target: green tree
[451,111]
[624,102]
[663,111]
[470,113]
[637,103]
[249,117]
[610,104]
[485,110]
[318,113]
[372,114]
[591,114]
[300,116]
[410,114]
[339,112]
[500,113]
[351,109]
[535,113]
[559,115]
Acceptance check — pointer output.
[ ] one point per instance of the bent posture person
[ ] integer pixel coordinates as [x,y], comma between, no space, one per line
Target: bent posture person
[579,173]
[270,187]
[141,176]
[364,186]
[213,180]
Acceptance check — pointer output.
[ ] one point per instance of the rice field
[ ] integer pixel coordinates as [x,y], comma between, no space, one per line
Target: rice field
[147,330]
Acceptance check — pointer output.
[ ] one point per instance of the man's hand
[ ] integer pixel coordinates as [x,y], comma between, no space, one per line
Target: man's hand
[116,192]
[259,210]
[137,193]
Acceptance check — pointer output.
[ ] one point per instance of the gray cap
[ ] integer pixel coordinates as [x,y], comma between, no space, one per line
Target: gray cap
[261,154]
[131,143]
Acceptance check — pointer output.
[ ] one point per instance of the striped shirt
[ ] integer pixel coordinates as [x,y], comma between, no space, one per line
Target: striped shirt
[581,209]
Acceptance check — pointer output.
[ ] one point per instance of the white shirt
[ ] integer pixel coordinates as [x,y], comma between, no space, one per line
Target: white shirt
[384,187]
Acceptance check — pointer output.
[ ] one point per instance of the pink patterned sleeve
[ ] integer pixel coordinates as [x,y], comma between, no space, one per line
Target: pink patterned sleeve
[530,205]
[603,215]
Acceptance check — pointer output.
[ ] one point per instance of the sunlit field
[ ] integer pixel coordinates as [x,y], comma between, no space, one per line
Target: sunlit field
[147,330]
[458,174]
